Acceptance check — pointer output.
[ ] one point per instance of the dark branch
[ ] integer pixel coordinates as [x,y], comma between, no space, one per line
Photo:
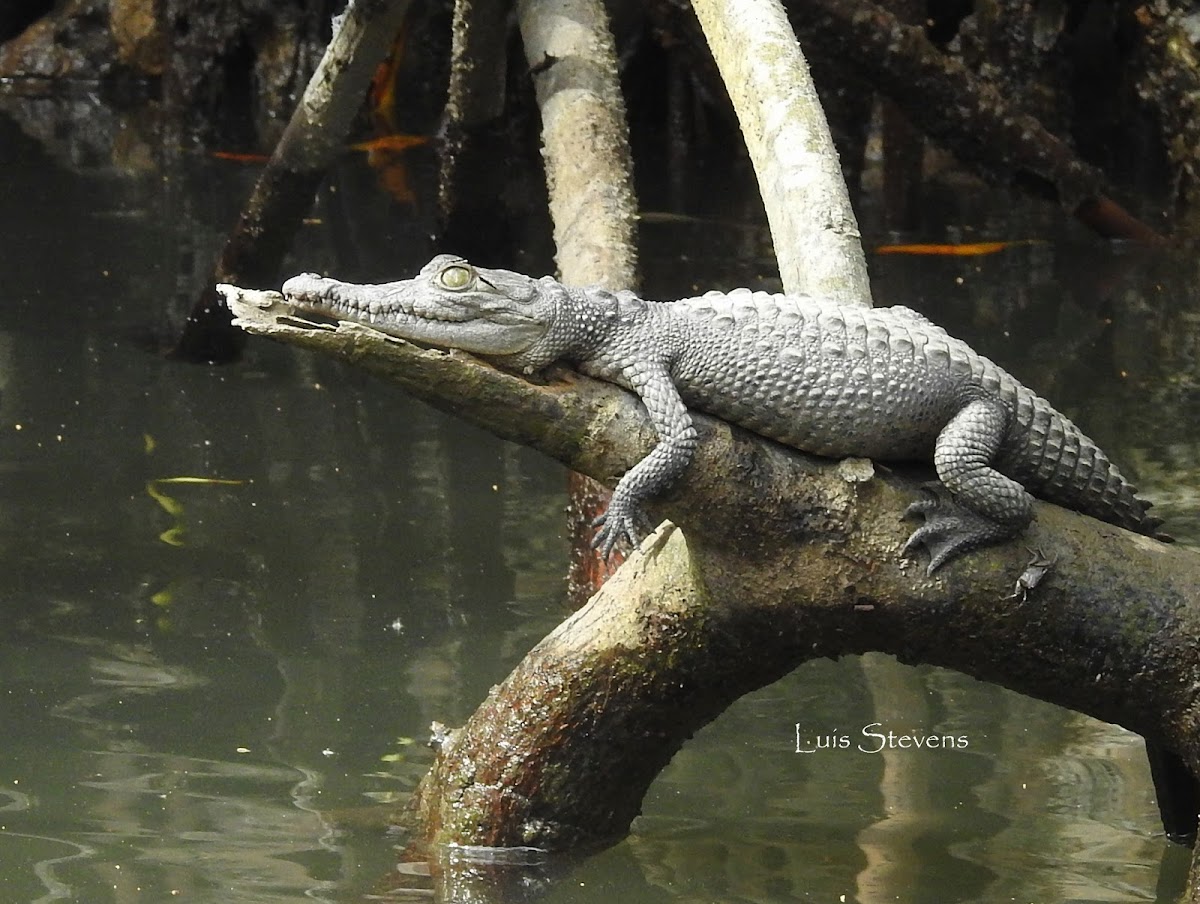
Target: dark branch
[792,558]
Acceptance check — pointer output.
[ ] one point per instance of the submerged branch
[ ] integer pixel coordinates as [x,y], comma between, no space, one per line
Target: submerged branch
[796,558]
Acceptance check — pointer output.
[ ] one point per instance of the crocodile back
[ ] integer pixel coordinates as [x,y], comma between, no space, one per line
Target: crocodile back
[825,378]
[841,380]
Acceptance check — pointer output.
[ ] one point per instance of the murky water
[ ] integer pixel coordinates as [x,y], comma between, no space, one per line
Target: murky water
[235,598]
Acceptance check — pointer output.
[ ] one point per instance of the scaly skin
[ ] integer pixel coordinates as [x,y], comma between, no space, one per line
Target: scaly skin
[833,380]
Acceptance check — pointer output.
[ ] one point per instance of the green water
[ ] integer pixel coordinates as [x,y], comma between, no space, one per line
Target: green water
[216,691]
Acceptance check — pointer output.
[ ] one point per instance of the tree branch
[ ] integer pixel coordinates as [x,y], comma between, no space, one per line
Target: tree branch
[800,559]
[283,194]
[964,112]
[813,226]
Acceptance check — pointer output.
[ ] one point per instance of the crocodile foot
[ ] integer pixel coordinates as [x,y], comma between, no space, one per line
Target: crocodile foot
[950,529]
[620,522]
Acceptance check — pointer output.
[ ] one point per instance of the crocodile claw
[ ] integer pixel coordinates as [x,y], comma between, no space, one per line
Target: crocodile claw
[949,529]
[620,523]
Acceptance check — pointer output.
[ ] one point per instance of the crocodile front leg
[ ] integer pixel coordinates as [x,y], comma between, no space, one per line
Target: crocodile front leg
[985,506]
[625,519]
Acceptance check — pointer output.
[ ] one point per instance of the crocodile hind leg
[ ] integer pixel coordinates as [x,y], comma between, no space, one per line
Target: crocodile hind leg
[983,506]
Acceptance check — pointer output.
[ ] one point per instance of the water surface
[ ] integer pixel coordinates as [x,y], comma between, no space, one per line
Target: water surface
[217,691]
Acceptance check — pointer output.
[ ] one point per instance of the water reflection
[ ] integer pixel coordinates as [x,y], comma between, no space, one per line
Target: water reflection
[225,697]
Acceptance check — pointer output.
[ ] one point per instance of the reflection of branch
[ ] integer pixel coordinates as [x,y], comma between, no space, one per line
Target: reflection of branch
[796,558]
[889,844]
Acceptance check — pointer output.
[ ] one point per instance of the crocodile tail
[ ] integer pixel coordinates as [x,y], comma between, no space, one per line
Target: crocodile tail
[1062,464]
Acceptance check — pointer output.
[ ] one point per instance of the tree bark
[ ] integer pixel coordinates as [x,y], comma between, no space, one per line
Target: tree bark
[589,176]
[475,99]
[585,141]
[795,558]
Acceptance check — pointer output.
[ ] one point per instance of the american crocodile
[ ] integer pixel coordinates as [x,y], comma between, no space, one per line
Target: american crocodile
[830,379]
[825,378]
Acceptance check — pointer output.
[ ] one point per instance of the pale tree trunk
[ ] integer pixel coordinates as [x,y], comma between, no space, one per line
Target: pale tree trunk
[585,141]
[817,243]
[589,176]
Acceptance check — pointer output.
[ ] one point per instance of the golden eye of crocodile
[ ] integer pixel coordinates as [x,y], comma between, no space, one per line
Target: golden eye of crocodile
[455,277]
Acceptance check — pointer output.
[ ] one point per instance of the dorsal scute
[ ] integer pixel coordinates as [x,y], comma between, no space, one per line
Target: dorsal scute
[744,307]
[606,305]
[900,312]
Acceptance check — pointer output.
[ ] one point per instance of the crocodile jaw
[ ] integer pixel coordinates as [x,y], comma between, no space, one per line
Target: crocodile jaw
[490,323]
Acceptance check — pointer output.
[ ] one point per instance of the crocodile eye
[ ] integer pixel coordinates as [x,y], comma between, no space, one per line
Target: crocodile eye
[455,277]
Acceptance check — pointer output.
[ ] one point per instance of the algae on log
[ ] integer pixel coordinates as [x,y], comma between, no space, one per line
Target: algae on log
[801,558]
